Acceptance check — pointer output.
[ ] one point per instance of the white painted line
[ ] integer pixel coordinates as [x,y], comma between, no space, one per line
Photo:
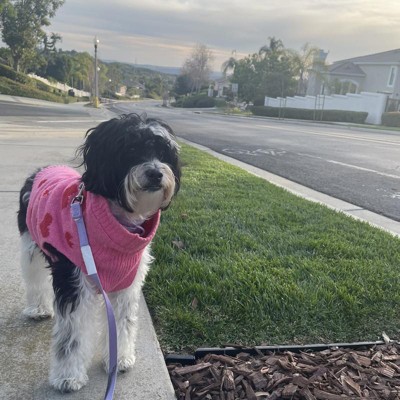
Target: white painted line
[350,166]
[69,120]
[336,135]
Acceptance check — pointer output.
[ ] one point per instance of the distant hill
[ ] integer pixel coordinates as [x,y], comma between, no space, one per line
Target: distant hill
[174,70]
[165,70]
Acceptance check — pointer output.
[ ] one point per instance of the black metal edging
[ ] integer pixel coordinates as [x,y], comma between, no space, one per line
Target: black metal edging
[234,351]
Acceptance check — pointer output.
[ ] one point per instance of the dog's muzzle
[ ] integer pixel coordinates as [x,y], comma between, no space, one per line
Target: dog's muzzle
[154,177]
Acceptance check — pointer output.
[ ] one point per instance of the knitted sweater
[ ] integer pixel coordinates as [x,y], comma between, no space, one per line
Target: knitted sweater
[117,252]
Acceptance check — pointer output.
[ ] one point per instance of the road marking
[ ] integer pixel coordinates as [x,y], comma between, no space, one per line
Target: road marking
[337,135]
[351,166]
[272,152]
[69,120]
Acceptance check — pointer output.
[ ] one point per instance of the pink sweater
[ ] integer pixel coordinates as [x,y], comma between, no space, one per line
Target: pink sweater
[116,251]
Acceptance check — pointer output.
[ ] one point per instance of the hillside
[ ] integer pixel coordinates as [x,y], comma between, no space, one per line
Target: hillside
[17,84]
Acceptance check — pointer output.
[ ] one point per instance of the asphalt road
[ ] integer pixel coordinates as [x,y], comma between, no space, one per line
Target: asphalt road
[360,166]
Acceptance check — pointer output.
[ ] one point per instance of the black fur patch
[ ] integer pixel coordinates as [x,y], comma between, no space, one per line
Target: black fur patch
[23,203]
[66,282]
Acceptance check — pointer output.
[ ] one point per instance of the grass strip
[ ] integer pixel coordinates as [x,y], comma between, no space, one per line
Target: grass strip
[262,266]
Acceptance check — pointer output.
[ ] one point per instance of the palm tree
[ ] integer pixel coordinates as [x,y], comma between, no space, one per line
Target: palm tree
[275,47]
[303,62]
[230,64]
[54,38]
[50,42]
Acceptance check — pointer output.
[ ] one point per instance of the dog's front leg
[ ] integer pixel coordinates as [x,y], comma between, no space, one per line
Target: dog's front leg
[126,305]
[74,333]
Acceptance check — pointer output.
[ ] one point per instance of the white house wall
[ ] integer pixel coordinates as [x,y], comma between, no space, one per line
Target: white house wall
[377,77]
[372,103]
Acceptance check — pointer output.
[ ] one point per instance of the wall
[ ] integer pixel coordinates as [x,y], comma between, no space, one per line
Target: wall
[372,103]
[377,77]
[61,86]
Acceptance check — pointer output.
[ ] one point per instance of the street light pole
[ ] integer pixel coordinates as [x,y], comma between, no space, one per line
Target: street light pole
[96,76]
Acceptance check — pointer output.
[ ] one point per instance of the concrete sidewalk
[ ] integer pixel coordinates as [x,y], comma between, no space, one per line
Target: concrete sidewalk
[24,344]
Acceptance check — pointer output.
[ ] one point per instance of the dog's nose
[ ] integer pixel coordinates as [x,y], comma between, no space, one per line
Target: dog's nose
[154,175]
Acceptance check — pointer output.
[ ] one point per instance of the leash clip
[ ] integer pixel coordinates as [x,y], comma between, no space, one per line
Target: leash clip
[79,197]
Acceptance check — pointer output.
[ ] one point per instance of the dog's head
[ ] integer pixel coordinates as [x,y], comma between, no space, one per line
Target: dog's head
[133,162]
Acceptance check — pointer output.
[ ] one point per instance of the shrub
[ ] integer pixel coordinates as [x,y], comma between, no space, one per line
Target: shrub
[14,76]
[43,86]
[391,119]
[204,102]
[197,101]
[357,117]
[220,103]
[259,101]
[13,88]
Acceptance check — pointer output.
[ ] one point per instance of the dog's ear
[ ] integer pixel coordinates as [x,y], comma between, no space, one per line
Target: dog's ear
[103,155]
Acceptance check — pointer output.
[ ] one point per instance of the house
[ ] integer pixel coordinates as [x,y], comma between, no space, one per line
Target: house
[221,84]
[121,91]
[375,73]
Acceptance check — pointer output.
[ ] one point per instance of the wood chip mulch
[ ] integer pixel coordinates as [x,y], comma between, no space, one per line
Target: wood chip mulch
[333,374]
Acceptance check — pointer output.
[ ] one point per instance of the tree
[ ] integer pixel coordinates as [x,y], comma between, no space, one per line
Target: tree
[230,64]
[197,67]
[83,71]
[60,67]
[182,85]
[245,74]
[5,56]
[22,22]
[303,61]
[270,72]
[274,49]
[49,43]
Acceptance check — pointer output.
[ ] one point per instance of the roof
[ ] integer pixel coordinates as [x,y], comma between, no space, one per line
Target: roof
[391,56]
[347,68]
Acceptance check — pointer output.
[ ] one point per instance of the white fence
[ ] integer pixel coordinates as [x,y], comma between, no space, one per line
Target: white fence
[372,103]
[61,86]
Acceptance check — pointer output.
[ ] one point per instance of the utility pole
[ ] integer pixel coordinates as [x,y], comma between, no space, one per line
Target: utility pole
[96,75]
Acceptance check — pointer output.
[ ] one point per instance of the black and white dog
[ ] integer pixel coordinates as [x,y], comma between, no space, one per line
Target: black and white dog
[131,172]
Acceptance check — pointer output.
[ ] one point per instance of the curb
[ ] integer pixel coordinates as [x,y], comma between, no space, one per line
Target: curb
[187,359]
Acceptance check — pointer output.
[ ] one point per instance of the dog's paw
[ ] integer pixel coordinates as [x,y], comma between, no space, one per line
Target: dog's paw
[67,385]
[38,312]
[126,363]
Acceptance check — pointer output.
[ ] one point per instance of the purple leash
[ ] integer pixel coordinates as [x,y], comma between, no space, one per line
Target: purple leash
[76,212]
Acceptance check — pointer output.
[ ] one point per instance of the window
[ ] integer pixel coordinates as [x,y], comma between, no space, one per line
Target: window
[392,76]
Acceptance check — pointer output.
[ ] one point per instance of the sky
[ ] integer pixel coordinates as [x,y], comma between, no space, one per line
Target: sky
[164,32]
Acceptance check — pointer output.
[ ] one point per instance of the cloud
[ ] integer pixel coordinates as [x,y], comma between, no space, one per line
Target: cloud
[164,32]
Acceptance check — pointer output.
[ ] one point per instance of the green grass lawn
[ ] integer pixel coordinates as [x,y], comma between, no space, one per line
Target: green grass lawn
[262,266]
